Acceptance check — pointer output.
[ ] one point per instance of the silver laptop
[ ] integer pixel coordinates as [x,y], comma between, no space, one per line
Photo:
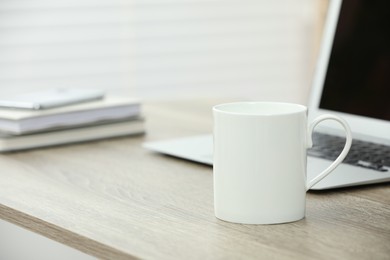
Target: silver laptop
[352,80]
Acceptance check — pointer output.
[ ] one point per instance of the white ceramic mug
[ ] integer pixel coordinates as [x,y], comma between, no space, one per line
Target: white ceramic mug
[260,161]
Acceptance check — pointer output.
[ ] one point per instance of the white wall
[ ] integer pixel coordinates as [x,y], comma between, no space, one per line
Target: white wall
[78,43]
[159,48]
[243,48]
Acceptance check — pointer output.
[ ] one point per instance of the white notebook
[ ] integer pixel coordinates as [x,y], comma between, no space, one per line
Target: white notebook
[72,135]
[27,121]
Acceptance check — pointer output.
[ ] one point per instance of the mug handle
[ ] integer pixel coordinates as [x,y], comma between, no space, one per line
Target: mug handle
[342,155]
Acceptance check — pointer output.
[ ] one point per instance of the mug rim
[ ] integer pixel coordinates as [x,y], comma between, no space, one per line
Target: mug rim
[288,108]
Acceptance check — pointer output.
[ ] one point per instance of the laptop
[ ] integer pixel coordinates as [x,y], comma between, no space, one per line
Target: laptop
[352,80]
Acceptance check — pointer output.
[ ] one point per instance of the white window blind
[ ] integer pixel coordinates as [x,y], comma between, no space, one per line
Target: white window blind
[73,43]
[157,48]
[242,48]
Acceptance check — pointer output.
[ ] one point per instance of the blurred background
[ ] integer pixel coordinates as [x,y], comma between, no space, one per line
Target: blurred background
[161,49]
[155,49]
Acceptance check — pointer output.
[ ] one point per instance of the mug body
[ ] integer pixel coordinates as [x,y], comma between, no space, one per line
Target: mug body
[260,162]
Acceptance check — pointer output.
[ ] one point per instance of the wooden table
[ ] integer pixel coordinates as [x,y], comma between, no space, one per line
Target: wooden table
[115,200]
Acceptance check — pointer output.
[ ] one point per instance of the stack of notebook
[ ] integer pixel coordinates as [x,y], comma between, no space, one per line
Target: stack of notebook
[95,119]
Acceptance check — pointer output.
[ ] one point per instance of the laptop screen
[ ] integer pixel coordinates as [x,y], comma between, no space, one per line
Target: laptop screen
[358,75]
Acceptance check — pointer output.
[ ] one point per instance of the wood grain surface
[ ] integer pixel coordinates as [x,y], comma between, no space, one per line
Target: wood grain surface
[115,200]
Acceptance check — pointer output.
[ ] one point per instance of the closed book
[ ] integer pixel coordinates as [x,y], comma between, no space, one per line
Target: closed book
[90,132]
[16,121]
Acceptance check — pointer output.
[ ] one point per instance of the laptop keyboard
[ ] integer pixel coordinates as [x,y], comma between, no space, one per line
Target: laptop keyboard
[364,154]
